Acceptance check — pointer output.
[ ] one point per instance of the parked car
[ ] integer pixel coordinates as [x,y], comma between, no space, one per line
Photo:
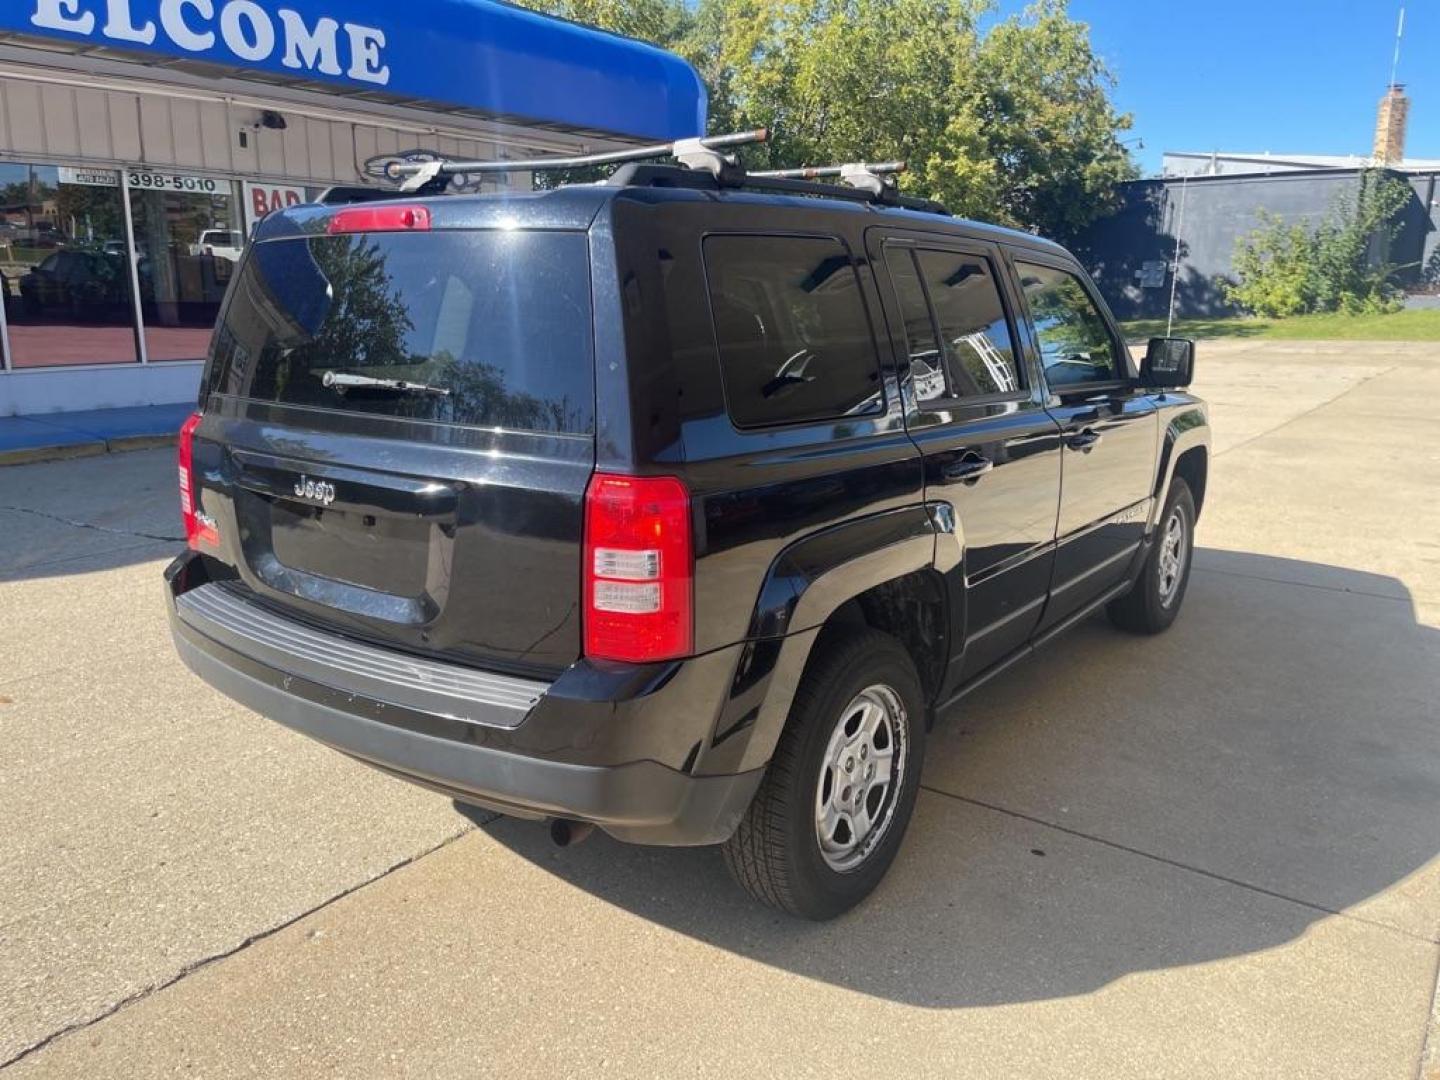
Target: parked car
[222,243]
[80,284]
[617,505]
[43,234]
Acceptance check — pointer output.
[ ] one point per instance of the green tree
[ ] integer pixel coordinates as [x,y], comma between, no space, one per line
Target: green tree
[1339,264]
[1012,123]
[664,22]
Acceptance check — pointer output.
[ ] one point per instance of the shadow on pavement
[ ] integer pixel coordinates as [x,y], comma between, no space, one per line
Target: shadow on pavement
[1120,804]
[88,514]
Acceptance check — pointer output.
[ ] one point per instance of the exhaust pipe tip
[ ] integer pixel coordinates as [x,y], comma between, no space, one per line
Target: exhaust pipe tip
[567,833]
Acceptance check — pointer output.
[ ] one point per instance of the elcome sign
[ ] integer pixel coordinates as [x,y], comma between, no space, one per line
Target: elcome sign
[242,28]
[482,55]
[262,200]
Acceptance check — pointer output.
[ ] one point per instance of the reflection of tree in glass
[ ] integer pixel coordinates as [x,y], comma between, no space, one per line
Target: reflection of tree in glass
[368,323]
[368,329]
[89,215]
[478,396]
[1064,317]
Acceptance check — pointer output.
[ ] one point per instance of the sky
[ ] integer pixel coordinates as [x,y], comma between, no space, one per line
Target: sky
[1287,76]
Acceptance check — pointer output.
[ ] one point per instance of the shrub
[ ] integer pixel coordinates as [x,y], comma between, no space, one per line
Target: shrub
[1295,268]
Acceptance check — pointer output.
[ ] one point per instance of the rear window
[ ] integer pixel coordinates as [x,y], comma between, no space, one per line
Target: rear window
[487,329]
[795,342]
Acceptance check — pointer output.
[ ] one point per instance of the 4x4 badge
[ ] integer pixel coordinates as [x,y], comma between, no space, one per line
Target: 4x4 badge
[315,490]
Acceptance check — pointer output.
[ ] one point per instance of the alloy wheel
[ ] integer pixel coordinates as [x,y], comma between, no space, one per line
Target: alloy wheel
[860,774]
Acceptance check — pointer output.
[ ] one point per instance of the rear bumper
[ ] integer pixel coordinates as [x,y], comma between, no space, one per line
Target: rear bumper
[642,801]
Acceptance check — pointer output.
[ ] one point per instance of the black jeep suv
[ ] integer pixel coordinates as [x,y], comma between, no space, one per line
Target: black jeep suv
[668,506]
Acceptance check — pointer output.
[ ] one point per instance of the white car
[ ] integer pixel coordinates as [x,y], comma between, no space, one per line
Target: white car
[221,243]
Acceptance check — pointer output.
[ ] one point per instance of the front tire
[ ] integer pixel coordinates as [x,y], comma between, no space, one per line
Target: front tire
[1152,605]
[834,805]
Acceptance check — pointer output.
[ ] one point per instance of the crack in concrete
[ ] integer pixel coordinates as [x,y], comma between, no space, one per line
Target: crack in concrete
[1308,412]
[87,525]
[1178,865]
[206,961]
[1304,584]
[1427,1067]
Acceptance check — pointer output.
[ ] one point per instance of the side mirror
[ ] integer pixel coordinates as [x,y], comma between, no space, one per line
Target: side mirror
[1169,362]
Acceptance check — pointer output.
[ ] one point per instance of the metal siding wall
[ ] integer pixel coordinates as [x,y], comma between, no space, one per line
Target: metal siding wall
[270,145]
[22,111]
[156,138]
[58,114]
[51,122]
[125,144]
[216,138]
[92,108]
[189,147]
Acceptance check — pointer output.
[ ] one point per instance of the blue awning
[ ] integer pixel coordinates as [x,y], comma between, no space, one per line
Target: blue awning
[479,56]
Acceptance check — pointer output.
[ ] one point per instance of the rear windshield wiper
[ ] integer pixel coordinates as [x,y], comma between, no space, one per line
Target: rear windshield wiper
[339,381]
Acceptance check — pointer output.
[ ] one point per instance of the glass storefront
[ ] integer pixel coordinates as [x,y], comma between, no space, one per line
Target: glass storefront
[65,260]
[63,268]
[189,234]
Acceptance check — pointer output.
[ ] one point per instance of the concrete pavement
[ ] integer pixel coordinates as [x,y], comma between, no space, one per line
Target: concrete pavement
[1213,853]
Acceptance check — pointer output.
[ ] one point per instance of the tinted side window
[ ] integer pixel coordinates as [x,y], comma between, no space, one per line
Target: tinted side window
[958,296]
[794,340]
[1075,345]
[979,355]
[927,367]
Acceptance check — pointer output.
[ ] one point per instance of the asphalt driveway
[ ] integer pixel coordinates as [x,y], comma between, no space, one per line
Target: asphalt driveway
[1212,853]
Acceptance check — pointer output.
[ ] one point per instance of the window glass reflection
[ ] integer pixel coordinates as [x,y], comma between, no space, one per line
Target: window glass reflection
[979,357]
[188,237]
[63,269]
[927,367]
[1075,345]
[795,343]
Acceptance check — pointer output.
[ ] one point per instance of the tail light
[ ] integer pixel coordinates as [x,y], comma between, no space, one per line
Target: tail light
[381,218]
[639,569]
[199,529]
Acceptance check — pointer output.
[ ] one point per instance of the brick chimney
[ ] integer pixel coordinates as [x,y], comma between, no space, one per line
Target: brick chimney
[1390,126]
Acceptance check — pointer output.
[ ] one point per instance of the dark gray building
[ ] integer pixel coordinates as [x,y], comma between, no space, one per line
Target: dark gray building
[1133,254]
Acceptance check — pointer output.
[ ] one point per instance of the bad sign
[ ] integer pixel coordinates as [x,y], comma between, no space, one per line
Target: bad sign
[262,200]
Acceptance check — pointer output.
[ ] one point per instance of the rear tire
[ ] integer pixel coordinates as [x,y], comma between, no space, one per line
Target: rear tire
[834,805]
[1152,605]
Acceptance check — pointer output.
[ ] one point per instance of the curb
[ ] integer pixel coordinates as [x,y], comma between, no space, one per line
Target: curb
[36,455]
[141,442]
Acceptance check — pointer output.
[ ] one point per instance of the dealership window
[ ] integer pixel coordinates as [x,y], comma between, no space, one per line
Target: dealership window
[67,284]
[63,270]
[189,235]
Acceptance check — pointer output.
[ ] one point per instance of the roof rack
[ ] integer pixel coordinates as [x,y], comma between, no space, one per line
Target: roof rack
[874,178]
[702,154]
[701,164]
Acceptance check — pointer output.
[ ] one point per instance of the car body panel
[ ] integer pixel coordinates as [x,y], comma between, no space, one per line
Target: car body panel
[791,523]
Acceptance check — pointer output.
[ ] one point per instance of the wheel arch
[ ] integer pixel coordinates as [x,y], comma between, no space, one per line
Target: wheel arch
[1184,452]
[878,572]
[1193,466]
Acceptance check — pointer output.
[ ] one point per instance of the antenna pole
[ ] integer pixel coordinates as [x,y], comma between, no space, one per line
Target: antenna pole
[1399,37]
[1175,265]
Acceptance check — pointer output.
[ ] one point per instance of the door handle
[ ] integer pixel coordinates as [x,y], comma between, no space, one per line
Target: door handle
[1085,441]
[967,470]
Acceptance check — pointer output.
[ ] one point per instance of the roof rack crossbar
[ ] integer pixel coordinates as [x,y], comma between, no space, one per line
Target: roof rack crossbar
[866,176]
[695,153]
[818,172]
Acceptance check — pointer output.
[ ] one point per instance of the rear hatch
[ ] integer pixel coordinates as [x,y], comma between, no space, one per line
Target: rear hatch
[400,429]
